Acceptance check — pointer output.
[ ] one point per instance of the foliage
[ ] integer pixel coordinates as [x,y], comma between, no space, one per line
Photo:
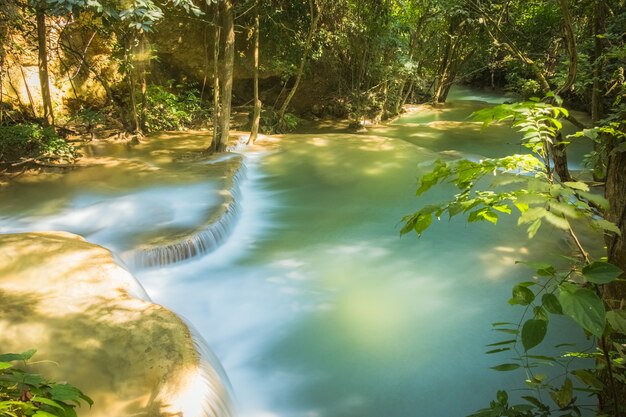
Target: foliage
[88,117]
[525,184]
[169,111]
[270,122]
[30,140]
[23,393]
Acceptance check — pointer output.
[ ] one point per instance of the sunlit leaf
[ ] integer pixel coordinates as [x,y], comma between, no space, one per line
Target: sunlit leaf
[577,185]
[5,365]
[557,221]
[521,295]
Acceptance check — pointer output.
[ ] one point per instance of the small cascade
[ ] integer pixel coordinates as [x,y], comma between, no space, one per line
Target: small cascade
[214,388]
[205,239]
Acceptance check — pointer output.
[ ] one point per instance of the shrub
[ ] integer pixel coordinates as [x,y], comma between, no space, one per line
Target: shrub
[269,123]
[26,394]
[30,140]
[169,111]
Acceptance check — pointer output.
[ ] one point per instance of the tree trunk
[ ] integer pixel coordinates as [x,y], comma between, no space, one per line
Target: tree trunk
[613,397]
[449,65]
[570,41]
[44,79]
[226,73]
[216,82]
[316,12]
[599,28]
[131,83]
[256,114]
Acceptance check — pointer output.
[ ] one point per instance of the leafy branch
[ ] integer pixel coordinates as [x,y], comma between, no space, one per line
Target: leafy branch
[525,184]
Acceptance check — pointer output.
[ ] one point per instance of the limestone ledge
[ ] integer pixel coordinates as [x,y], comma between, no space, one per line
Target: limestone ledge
[71,301]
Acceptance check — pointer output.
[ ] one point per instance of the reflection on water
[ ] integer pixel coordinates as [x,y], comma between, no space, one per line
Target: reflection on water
[315,305]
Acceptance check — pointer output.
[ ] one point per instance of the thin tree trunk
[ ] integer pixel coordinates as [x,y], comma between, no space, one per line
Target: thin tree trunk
[316,13]
[28,93]
[570,41]
[130,80]
[216,82]
[44,79]
[445,77]
[256,114]
[226,73]
[144,62]
[599,27]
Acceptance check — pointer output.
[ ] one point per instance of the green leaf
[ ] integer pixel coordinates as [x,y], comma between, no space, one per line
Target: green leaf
[531,215]
[47,401]
[422,222]
[489,352]
[585,307]
[603,224]
[551,303]
[5,365]
[588,378]
[41,413]
[564,396]
[601,272]
[534,401]
[64,392]
[505,367]
[533,333]
[577,185]
[617,320]
[533,228]
[557,221]
[597,199]
[504,342]
[521,295]
[24,356]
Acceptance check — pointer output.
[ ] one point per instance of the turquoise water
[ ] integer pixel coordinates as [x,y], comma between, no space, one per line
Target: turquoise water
[315,305]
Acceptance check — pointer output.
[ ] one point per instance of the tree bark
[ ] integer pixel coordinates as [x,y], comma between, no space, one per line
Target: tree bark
[570,41]
[216,82]
[132,85]
[256,114]
[44,79]
[614,295]
[226,73]
[599,27]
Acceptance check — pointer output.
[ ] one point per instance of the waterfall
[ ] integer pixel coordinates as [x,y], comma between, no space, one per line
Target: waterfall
[204,239]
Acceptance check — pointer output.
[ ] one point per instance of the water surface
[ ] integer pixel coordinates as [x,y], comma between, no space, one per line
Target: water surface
[315,305]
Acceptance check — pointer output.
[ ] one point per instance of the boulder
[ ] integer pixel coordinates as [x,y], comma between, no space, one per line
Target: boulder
[79,308]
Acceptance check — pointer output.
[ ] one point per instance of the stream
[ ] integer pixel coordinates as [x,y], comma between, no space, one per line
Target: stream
[313,303]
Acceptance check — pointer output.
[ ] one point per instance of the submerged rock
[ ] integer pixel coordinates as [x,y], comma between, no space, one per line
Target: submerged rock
[71,301]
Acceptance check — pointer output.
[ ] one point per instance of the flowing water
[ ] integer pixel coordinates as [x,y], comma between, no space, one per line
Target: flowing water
[312,301]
